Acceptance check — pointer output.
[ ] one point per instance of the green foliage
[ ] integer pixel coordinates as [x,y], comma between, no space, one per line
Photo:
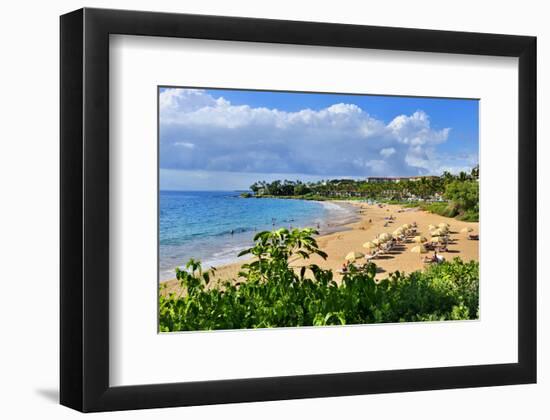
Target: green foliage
[447,209]
[465,196]
[271,294]
[461,192]
[469,216]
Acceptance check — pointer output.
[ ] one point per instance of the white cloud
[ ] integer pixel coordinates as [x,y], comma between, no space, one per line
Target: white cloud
[415,130]
[341,140]
[185,144]
[387,152]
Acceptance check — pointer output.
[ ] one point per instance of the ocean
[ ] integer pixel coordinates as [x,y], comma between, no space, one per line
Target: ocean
[214,226]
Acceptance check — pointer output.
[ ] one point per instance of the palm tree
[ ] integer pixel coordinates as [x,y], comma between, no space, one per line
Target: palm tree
[475,172]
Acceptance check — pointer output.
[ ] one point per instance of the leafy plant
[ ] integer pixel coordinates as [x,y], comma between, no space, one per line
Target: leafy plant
[270,293]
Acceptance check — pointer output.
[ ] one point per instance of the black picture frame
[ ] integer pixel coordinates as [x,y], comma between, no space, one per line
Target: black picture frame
[84,132]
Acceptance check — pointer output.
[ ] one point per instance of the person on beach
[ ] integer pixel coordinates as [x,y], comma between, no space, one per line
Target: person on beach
[435,259]
[345,267]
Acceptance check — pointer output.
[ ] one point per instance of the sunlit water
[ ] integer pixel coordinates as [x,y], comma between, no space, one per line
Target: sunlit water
[214,226]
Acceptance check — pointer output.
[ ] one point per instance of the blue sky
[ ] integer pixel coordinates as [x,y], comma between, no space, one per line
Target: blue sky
[226,139]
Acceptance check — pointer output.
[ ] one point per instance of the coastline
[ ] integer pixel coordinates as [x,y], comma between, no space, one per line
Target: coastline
[368,223]
[216,248]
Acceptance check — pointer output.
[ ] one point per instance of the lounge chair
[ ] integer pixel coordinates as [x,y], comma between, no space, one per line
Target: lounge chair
[473,237]
[372,256]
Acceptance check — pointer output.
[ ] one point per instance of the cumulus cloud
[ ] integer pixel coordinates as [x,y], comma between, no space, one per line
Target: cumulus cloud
[201,132]
[387,152]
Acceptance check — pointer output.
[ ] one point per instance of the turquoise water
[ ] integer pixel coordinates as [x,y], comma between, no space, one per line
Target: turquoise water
[214,226]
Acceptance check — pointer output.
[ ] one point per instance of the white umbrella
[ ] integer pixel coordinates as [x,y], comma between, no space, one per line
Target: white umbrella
[370,245]
[420,249]
[384,237]
[352,256]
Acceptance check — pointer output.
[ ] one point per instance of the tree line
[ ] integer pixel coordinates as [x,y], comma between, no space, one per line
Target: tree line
[424,188]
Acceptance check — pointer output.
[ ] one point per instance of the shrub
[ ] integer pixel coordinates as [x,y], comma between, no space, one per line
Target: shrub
[269,293]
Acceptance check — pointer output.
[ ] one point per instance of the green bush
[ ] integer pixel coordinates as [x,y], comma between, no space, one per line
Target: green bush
[269,293]
[469,216]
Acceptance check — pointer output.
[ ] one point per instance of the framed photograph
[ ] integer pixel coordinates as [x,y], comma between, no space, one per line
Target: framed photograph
[257,209]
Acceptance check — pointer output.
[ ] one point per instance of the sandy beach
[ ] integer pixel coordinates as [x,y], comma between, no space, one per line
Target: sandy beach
[370,224]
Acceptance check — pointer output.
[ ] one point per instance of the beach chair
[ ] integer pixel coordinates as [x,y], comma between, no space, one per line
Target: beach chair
[369,257]
[387,247]
[473,237]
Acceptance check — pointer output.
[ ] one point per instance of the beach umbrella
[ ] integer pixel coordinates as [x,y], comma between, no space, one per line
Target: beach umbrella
[431,227]
[352,256]
[420,249]
[437,232]
[369,245]
[398,232]
[466,230]
[438,239]
[407,225]
[420,239]
[444,225]
[385,237]
[376,241]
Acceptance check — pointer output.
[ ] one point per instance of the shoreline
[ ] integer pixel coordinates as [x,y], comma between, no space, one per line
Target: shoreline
[369,222]
[326,217]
